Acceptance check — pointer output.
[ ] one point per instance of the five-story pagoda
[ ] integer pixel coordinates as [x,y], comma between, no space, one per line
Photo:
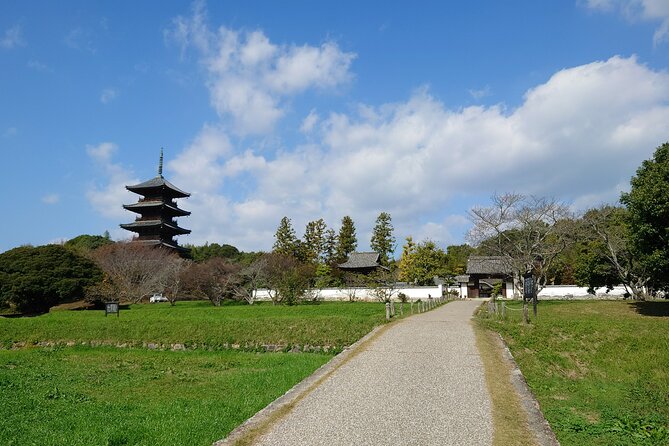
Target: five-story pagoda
[157,209]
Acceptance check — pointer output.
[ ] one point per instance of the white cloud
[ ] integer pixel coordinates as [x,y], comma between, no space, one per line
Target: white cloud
[108,199]
[51,199]
[309,122]
[579,136]
[251,78]
[108,95]
[12,38]
[199,166]
[634,10]
[480,93]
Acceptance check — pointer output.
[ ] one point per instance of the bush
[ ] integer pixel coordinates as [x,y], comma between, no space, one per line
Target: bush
[32,279]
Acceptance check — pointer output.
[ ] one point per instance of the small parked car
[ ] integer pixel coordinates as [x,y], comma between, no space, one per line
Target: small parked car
[157,297]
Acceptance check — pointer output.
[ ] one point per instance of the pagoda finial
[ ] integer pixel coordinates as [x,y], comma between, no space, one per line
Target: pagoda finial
[160,164]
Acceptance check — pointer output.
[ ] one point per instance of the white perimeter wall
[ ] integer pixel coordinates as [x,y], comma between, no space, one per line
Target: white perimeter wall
[424,292]
[573,291]
[413,293]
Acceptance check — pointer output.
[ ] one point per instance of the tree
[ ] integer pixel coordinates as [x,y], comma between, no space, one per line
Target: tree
[606,257]
[457,256]
[383,240]
[384,283]
[208,251]
[648,205]
[527,232]
[346,240]
[32,279]
[85,243]
[213,279]
[287,277]
[250,278]
[421,263]
[406,265]
[134,271]
[330,246]
[314,241]
[175,270]
[285,240]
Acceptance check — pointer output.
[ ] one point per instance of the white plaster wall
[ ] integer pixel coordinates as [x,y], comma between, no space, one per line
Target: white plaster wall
[463,291]
[334,294]
[510,290]
[574,291]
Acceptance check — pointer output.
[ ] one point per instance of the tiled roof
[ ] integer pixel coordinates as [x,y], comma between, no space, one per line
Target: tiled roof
[158,182]
[153,223]
[362,260]
[488,265]
[136,207]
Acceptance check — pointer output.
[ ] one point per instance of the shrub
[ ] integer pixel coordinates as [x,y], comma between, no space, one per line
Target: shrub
[32,279]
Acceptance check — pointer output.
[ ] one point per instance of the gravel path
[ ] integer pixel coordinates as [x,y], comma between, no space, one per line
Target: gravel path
[420,382]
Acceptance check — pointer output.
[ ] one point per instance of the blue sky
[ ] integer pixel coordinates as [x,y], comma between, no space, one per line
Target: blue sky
[315,109]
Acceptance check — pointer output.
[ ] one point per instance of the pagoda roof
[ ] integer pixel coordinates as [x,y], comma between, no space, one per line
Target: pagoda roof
[163,243]
[158,183]
[142,205]
[137,226]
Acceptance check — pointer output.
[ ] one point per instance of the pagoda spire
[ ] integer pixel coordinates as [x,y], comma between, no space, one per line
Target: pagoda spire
[160,164]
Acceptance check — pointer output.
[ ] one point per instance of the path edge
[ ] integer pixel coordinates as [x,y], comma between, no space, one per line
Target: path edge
[295,392]
[537,422]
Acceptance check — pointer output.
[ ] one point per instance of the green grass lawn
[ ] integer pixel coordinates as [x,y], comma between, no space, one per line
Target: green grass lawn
[600,370]
[84,395]
[110,396]
[333,324]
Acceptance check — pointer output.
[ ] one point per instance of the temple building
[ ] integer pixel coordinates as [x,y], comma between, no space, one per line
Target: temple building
[157,209]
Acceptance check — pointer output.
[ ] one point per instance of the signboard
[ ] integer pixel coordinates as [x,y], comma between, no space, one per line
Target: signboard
[111,307]
[528,286]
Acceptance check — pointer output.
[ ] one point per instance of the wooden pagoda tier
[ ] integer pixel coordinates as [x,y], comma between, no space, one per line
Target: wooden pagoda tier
[155,224]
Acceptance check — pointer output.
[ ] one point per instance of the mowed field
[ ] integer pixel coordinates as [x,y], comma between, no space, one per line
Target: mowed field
[105,395]
[600,370]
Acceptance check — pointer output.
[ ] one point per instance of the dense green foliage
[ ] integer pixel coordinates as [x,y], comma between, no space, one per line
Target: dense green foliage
[421,262]
[285,240]
[600,370]
[313,243]
[383,240]
[211,250]
[85,243]
[346,239]
[456,258]
[648,206]
[32,279]
[334,324]
[108,396]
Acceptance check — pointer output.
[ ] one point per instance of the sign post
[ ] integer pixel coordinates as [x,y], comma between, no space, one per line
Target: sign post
[529,294]
[111,308]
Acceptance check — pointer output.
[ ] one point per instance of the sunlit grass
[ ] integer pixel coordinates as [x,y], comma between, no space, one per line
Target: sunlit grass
[332,324]
[600,370]
[109,396]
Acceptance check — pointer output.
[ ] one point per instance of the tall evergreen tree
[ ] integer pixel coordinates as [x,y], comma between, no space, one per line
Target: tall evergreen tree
[346,241]
[383,240]
[406,265]
[314,240]
[285,240]
[330,246]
